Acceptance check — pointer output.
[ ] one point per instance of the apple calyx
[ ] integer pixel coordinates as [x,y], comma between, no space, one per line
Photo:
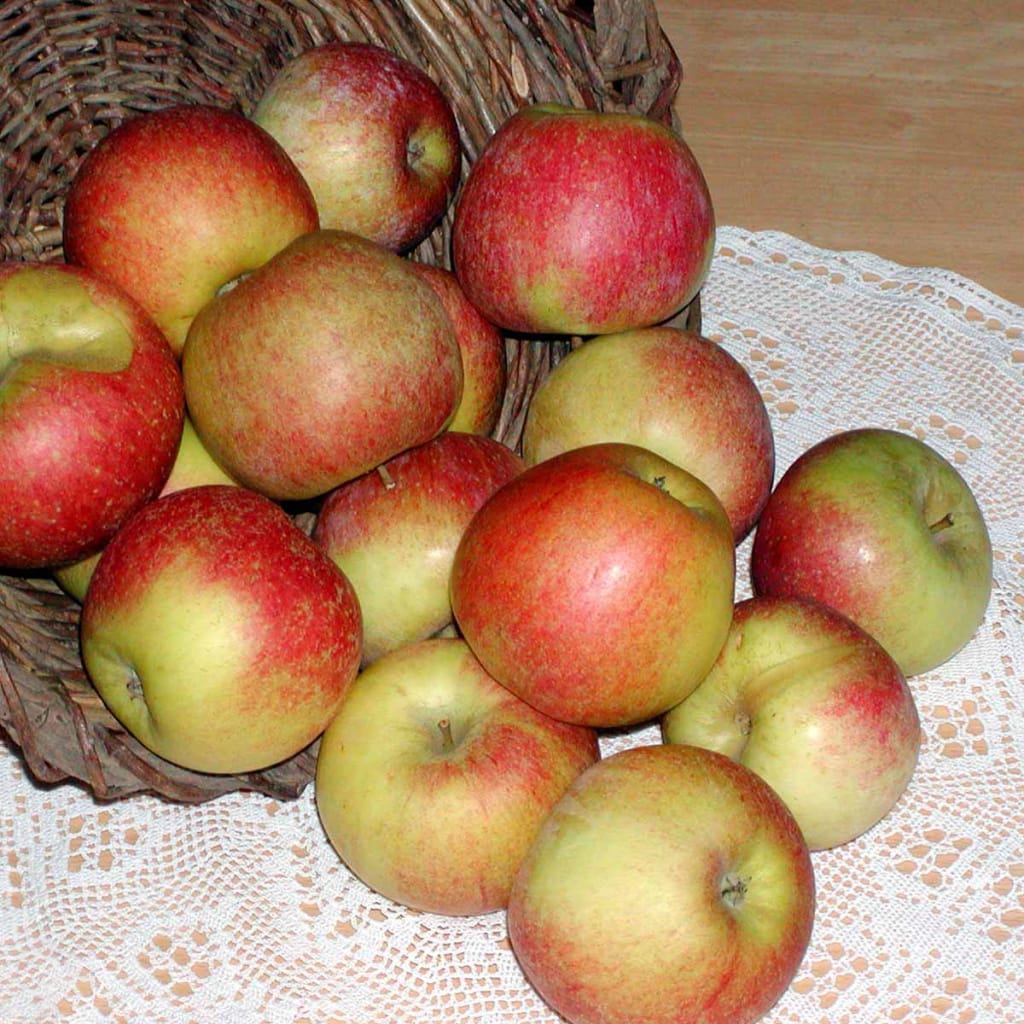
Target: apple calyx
[50,316]
[444,727]
[134,684]
[733,890]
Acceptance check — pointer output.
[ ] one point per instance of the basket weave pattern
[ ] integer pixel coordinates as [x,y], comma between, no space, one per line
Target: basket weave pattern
[70,72]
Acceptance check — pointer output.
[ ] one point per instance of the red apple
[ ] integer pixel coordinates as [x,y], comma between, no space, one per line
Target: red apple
[91,408]
[175,203]
[433,779]
[668,390]
[598,585]
[323,363]
[217,632]
[814,705]
[879,526]
[374,136]
[484,367]
[394,531]
[582,222]
[670,885]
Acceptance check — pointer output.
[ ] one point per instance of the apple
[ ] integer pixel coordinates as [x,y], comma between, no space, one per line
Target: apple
[91,407]
[372,133]
[815,706]
[669,885]
[331,358]
[192,467]
[175,203]
[217,632]
[878,525]
[582,222]
[597,585]
[482,345]
[432,779]
[668,390]
[394,531]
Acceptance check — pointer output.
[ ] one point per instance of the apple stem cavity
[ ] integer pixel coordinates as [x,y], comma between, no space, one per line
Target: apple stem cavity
[942,524]
[386,478]
[733,891]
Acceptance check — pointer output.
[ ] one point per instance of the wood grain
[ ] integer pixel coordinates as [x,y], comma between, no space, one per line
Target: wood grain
[897,129]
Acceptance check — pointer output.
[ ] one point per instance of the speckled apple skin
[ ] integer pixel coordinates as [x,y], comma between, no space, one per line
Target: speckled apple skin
[598,585]
[217,632]
[813,704]
[582,222]
[81,449]
[372,133]
[174,203]
[394,532]
[328,360]
[617,914]
[850,525]
[674,392]
[441,830]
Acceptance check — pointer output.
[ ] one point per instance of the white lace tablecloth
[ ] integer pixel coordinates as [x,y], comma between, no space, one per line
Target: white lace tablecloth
[237,911]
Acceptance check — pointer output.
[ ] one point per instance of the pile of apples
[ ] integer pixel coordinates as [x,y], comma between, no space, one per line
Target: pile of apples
[239,334]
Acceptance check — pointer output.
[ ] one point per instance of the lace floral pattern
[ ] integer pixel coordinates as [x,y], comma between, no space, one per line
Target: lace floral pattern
[238,911]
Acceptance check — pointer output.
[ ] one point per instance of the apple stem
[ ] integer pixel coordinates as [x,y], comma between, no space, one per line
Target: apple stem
[386,478]
[444,726]
[942,524]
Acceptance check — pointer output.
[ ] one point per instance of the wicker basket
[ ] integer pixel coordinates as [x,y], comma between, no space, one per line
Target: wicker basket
[69,72]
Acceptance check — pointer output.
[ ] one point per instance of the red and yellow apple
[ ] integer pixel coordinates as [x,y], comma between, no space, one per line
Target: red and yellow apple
[668,390]
[372,133]
[597,585]
[577,221]
[217,632]
[670,885]
[394,531]
[91,408]
[878,525]
[433,779]
[810,702]
[331,358]
[175,203]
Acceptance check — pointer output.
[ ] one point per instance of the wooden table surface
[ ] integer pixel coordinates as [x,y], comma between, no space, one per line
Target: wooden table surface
[863,124]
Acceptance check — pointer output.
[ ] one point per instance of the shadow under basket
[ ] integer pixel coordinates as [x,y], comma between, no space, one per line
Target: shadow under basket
[70,72]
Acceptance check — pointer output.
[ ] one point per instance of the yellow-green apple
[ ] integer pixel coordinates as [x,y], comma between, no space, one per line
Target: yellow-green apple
[372,133]
[217,632]
[597,585]
[813,704]
[192,467]
[671,391]
[484,365]
[585,222]
[175,203]
[91,408]
[394,531]
[670,885]
[878,525]
[432,779]
[328,360]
